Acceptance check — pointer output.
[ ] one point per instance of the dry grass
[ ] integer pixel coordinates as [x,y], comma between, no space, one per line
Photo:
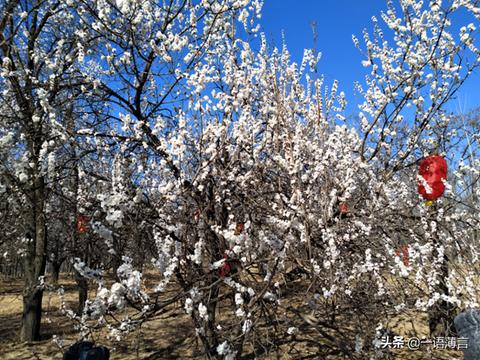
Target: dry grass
[166,337]
[169,336]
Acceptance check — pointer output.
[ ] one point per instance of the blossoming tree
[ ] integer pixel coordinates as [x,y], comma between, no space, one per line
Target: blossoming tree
[237,168]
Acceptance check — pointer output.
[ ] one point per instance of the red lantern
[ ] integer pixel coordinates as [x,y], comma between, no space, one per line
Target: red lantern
[344,208]
[432,173]
[226,268]
[403,252]
[82,224]
[196,215]
[239,228]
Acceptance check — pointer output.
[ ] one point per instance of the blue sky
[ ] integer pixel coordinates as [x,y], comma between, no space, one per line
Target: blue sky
[336,21]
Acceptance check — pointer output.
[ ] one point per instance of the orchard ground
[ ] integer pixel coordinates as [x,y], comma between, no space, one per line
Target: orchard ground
[169,335]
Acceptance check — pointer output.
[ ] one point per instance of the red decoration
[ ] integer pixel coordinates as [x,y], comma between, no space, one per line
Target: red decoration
[82,224]
[344,208]
[403,252]
[226,268]
[239,228]
[432,172]
[196,215]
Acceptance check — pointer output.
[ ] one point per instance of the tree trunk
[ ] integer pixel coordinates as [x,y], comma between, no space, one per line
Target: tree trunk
[80,248]
[440,317]
[35,262]
[82,284]
[56,272]
[211,331]
[32,315]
